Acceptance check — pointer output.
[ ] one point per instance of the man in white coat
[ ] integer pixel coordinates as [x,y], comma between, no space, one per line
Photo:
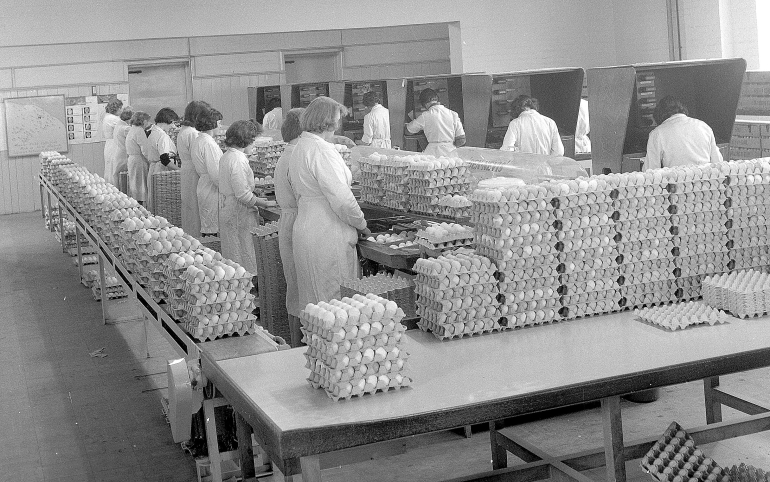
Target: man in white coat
[530,131]
[274,118]
[376,123]
[442,126]
[679,140]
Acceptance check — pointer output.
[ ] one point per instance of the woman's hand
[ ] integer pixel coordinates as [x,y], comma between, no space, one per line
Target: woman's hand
[344,140]
[264,203]
[364,233]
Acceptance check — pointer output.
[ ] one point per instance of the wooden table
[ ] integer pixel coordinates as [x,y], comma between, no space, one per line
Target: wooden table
[488,378]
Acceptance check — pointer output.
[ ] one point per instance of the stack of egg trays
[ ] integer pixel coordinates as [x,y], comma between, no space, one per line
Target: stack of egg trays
[195,306]
[361,352]
[586,249]
[675,457]
[427,187]
[644,242]
[457,296]
[748,194]
[747,473]
[743,293]
[371,182]
[698,208]
[395,183]
[517,233]
[397,289]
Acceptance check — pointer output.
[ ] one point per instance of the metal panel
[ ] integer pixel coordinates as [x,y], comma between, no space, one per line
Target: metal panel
[477,90]
[397,108]
[609,99]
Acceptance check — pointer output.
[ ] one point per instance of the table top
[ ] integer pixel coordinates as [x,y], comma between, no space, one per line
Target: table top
[474,380]
[236,347]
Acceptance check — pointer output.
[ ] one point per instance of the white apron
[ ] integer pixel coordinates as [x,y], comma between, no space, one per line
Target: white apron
[439,149]
[121,157]
[287,200]
[324,233]
[237,217]
[191,221]
[110,146]
[205,156]
[158,143]
[137,164]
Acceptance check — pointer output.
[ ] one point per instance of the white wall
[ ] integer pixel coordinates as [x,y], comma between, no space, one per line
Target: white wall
[640,31]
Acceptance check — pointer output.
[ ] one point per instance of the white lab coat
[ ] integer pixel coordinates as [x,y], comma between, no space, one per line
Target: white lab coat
[137,163]
[191,221]
[158,143]
[328,215]
[287,201]
[681,140]
[110,147]
[377,127]
[121,157]
[237,215]
[441,127]
[582,141]
[534,133]
[205,157]
[273,119]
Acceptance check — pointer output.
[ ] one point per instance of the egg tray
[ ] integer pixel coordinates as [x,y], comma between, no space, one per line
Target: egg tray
[530,300]
[642,212]
[632,225]
[583,276]
[584,210]
[646,190]
[245,330]
[327,376]
[681,315]
[571,224]
[523,256]
[577,199]
[591,285]
[459,316]
[627,201]
[747,212]
[354,358]
[635,250]
[635,278]
[748,201]
[694,229]
[530,205]
[352,331]
[246,276]
[593,308]
[457,330]
[747,473]
[749,222]
[464,235]
[581,254]
[335,394]
[456,305]
[745,190]
[748,252]
[699,218]
[714,257]
[702,185]
[532,317]
[523,274]
[513,265]
[543,304]
[111,294]
[574,266]
[521,229]
[581,298]
[545,218]
[460,188]
[210,309]
[647,300]
[460,291]
[587,232]
[193,322]
[424,268]
[530,284]
[387,342]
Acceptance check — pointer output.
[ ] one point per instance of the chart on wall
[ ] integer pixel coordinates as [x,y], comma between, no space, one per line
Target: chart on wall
[35,124]
[85,115]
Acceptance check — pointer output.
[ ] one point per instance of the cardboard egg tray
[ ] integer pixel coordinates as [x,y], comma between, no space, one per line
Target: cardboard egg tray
[746,473]
[526,285]
[355,345]
[457,292]
[633,224]
[599,307]
[641,300]
[750,221]
[521,319]
[210,333]
[346,390]
[542,270]
[326,376]
[458,304]
[747,201]
[354,359]
[477,326]
[195,321]
[584,210]
[632,282]
[455,279]
[588,264]
[641,191]
[719,184]
[509,308]
[588,286]
[681,315]
[579,298]
[514,265]
[539,292]
[459,316]
[504,226]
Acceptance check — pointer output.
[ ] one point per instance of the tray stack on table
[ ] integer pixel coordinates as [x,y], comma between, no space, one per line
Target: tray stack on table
[372,190]
[516,229]
[167,196]
[47,157]
[644,240]
[587,252]
[265,156]
[748,198]
[272,283]
[394,288]
[430,181]
[395,182]
[698,224]
[742,293]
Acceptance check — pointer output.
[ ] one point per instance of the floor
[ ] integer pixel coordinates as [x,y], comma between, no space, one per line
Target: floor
[68,416]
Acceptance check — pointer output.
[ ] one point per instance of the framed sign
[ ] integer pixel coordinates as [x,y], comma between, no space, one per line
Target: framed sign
[35,124]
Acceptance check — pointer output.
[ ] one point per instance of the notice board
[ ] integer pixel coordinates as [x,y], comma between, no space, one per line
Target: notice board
[35,124]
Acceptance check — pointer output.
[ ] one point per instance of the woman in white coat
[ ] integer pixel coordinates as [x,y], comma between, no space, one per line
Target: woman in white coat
[287,201]
[238,206]
[376,122]
[136,140]
[110,120]
[531,131]
[185,138]
[442,126]
[205,156]
[160,149]
[328,215]
[119,136]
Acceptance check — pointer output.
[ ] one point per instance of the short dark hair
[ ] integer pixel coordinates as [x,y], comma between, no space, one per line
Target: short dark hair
[113,106]
[193,110]
[139,117]
[166,116]
[291,128]
[126,113]
[371,98]
[207,119]
[427,96]
[666,107]
[242,133]
[274,102]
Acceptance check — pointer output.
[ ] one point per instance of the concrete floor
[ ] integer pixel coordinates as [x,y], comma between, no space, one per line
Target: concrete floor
[66,416]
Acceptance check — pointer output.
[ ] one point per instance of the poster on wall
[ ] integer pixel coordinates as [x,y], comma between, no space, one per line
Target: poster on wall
[85,115]
[35,124]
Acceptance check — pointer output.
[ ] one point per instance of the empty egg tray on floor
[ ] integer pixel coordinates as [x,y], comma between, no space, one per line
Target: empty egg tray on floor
[674,457]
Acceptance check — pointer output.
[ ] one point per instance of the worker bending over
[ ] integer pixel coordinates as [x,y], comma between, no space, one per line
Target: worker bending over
[442,126]
[530,131]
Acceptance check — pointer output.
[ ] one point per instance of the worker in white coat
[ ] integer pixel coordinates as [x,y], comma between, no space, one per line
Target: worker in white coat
[138,166]
[274,117]
[582,141]
[442,126]
[679,140]
[238,206]
[191,221]
[205,157]
[376,122]
[160,149]
[329,219]
[287,201]
[531,131]
[110,120]
[119,136]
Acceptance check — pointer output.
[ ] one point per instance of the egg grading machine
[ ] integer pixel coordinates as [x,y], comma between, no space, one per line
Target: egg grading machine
[622,99]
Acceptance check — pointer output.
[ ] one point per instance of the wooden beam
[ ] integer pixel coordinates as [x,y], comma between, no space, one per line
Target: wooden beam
[613,439]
